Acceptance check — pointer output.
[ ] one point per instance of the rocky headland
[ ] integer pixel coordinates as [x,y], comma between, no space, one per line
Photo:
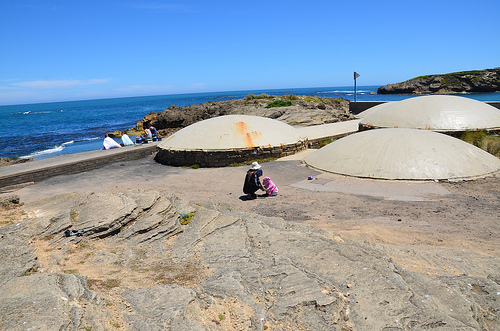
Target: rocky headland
[291,109]
[477,81]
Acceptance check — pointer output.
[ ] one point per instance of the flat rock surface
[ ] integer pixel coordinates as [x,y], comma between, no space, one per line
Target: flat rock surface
[331,253]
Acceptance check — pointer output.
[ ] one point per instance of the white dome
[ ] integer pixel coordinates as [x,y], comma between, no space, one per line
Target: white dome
[437,113]
[403,154]
[373,109]
[232,132]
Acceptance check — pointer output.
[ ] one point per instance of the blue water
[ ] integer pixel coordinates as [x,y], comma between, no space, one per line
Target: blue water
[51,129]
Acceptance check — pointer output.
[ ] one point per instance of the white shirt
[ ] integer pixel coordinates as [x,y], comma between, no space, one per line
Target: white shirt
[110,143]
[126,140]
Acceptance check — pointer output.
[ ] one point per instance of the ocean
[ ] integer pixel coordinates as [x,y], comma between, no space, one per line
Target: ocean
[50,129]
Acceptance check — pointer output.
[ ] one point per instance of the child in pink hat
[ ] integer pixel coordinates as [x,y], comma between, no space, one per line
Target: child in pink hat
[269,186]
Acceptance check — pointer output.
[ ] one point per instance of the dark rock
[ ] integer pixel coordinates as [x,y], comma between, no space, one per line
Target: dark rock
[478,81]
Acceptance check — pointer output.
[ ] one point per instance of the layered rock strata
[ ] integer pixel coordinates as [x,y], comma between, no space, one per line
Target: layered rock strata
[136,261]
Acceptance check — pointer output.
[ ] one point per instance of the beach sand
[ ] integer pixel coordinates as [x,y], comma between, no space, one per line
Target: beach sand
[461,215]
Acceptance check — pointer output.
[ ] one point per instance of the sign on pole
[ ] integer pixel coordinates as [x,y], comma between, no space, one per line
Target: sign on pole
[356,75]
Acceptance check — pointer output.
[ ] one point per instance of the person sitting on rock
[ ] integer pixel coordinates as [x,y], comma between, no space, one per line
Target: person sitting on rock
[252,181]
[147,136]
[126,139]
[154,132]
[110,142]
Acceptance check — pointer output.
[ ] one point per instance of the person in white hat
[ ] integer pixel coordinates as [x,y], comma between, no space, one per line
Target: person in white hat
[252,181]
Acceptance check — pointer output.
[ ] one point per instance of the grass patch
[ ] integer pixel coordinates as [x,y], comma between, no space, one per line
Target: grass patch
[325,142]
[73,215]
[171,273]
[279,103]
[12,213]
[489,142]
[107,284]
[30,272]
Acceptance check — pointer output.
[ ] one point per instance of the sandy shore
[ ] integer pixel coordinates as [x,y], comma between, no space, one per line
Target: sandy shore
[460,215]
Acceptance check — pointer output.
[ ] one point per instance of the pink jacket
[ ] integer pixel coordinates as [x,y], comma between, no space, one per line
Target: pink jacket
[270,187]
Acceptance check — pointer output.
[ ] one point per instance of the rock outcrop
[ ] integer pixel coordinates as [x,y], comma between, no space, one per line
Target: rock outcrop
[487,80]
[304,111]
[135,260]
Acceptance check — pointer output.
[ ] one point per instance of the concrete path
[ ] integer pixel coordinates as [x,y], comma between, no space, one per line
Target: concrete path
[70,164]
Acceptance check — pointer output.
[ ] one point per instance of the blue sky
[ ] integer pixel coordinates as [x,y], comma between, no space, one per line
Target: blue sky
[75,50]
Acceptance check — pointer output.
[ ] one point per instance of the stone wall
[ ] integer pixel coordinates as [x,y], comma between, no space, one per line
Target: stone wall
[224,158]
[39,170]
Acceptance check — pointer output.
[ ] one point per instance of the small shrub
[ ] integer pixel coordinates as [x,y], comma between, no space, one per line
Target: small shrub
[279,103]
[326,142]
[195,166]
[185,216]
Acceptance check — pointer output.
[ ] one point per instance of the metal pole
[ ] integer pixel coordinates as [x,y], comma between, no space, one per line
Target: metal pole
[355,94]
[356,75]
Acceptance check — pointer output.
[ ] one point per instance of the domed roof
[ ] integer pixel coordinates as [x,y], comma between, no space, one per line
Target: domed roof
[403,154]
[232,132]
[437,113]
[373,109]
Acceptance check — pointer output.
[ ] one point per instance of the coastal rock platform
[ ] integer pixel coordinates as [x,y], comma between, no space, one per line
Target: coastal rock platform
[154,247]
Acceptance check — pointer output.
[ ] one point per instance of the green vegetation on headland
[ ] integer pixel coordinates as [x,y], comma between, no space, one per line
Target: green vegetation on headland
[472,81]
[279,103]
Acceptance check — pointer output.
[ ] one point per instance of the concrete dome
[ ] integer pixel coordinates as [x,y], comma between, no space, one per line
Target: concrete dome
[232,131]
[438,113]
[223,140]
[373,109]
[404,154]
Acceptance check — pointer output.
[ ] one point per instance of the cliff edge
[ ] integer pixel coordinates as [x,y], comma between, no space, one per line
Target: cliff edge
[487,80]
